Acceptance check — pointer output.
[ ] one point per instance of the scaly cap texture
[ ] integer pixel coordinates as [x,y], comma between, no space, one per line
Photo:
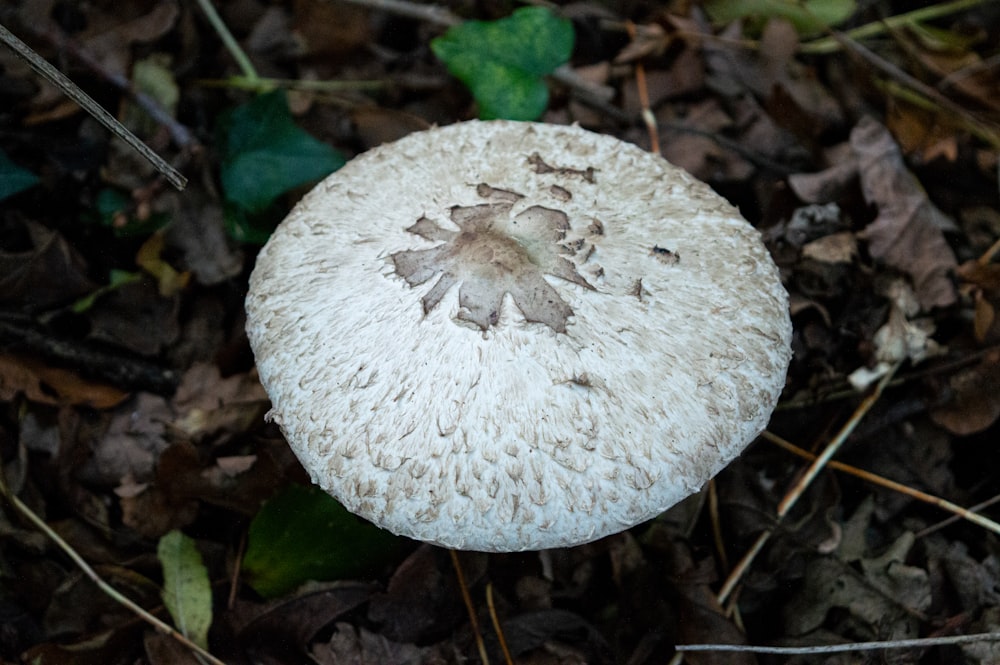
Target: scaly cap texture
[505,336]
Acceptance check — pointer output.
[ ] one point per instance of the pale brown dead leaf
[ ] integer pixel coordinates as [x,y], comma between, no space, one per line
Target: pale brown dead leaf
[976,402]
[835,248]
[44,384]
[112,46]
[208,404]
[908,232]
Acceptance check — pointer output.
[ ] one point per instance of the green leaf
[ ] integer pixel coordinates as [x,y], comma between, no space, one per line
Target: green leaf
[503,62]
[303,534]
[187,592]
[14,179]
[808,16]
[117,279]
[265,154]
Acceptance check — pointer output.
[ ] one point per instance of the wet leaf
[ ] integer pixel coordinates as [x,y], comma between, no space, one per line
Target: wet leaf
[187,592]
[266,154]
[503,62]
[908,232]
[304,534]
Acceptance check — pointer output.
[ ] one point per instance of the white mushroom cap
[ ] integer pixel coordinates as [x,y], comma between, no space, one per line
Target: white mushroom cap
[505,336]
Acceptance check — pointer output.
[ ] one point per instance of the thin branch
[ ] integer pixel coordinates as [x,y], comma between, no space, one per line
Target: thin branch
[921,642]
[414,10]
[648,118]
[238,54]
[74,92]
[944,504]
[831,44]
[179,134]
[508,659]
[139,611]
[799,488]
[263,84]
[469,607]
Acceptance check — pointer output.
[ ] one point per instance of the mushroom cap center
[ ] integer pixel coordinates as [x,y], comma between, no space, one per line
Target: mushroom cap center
[496,252]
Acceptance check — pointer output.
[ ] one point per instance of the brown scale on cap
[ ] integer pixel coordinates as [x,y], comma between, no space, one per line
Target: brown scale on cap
[494,253]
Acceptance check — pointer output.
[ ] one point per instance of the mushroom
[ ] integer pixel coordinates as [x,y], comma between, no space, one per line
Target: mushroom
[505,336]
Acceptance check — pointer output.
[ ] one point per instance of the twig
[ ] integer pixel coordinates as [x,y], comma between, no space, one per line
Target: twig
[115,595]
[800,487]
[179,134]
[844,648]
[944,504]
[263,84]
[640,83]
[904,78]
[469,607]
[496,625]
[982,505]
[74,92]
[122,371]
[241,58]
[420,12]
[831,44]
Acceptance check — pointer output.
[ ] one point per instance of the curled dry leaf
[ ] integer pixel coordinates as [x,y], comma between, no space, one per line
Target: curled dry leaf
[53,385]
[976,402]
[908,232]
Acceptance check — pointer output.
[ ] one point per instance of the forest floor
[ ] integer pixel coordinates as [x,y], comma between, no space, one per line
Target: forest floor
[131,412]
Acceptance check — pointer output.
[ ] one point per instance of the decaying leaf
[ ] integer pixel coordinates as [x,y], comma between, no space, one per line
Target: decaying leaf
[908,232]
[976,401]
[881,593]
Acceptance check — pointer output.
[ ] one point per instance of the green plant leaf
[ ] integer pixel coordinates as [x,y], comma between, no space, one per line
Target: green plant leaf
[116,279]
[303,534]
[14,179]
[503,62]
[808,16]
[187,592]
[265,154]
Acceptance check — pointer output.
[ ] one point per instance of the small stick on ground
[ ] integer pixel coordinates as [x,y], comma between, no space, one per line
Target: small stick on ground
[109,590]
[944,504]
[74,92]
[469,607]
[799,488]
[496,625]
[647,113]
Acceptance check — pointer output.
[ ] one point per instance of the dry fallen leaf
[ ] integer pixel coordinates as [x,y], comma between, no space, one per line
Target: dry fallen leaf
[976,402]
[908,232]
[53,385]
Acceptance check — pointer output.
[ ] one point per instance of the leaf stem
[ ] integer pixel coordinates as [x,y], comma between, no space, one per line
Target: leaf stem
[74,92]
[237,52]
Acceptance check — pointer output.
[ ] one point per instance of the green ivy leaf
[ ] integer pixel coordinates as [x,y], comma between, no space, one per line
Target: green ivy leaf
[14,179]
[303,534]
[808,16]
[503,62]
[265,154]
[187,592]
